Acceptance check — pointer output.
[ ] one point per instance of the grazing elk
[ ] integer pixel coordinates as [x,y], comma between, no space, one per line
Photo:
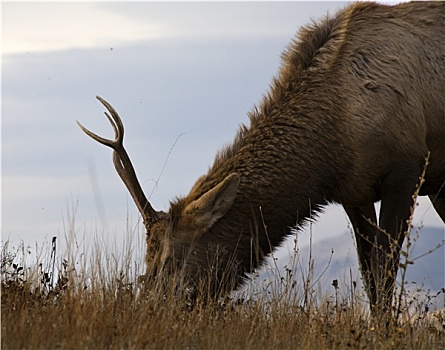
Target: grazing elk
[355,110]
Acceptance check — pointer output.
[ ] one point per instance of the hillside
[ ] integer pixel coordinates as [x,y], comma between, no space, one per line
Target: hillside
[335,258]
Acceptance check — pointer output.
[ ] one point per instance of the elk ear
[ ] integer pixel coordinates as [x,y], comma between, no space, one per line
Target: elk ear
[214,204]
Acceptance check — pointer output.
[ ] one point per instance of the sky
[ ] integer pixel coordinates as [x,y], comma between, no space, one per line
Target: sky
[182,76]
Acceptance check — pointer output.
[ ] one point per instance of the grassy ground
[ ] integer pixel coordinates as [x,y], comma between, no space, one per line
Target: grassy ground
[94,301]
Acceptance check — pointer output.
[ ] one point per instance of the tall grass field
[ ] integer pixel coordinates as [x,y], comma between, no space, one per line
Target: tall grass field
[91,297]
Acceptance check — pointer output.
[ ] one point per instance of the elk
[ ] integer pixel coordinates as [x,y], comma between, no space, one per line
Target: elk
[353,113]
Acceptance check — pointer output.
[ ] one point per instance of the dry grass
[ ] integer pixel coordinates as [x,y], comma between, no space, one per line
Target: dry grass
[93,300]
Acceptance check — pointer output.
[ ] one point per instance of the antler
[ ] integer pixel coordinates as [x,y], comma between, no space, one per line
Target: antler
[123,165]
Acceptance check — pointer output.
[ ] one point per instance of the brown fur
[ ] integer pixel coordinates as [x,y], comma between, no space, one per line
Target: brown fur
[353,113]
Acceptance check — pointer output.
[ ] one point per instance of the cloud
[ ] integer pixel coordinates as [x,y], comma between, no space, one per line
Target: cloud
[221,19]
[37,27]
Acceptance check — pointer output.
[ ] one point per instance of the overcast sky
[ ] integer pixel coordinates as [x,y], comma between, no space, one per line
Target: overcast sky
[187,70]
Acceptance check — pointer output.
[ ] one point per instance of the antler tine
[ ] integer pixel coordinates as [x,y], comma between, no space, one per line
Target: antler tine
[123,164]
[115,122]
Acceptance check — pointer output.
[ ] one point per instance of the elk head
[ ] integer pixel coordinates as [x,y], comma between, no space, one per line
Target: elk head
[172,237]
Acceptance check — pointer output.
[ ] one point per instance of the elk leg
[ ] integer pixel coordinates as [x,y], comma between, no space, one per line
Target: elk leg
[439,205]
[364,222]
[397,190]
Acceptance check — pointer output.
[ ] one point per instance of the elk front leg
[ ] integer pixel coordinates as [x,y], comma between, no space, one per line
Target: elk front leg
[364,222]
[398,189]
